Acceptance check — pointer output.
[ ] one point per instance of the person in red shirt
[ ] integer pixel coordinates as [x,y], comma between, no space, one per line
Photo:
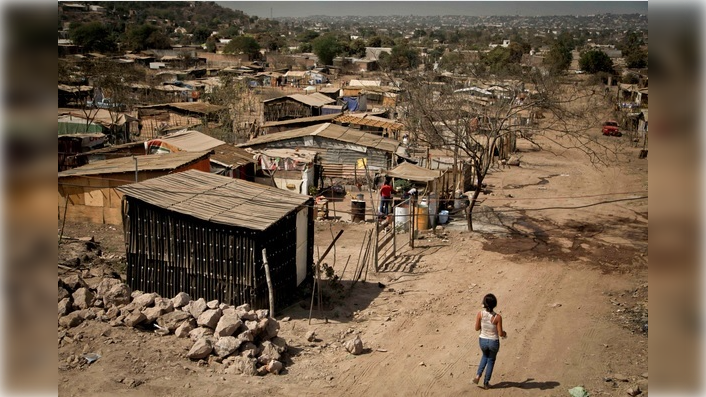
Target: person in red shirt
[385,197]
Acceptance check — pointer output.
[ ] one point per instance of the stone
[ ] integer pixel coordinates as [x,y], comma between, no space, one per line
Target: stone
[252,327]
[201,349]
[226,346]
[98,303]
[137,293]
[83,298]
[354,346]
[64,306]
[634,391]
[285,319]
[142,301]
[223,306]
[242,365]
[246,336]
[181,299]
[271,351]
[134,318]
[112,313]
[230,311]
[152,314]
[87,314]
[620,378]
[63,293]
[164,304]
[74,282]
[209,318]
[310,336]
[247,316]
[271,329]
[172,320]
[249,349]
[274,367]
[106,285]
[280,344]
[199,333]
[245,307]
[227,326]
[119,294]
[198,307]
[262,313]
[182,331]
[212,304]
[71,320]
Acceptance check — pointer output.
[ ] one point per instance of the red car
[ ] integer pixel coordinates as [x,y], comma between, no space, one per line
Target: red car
[611,128]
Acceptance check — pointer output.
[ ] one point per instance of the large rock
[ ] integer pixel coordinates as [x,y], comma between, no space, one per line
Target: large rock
[246,336]
[252,327]
[63,293]
[134,318]
[164,304]
[200,332]
[105,285]
[226,346]
[64,306]
[112,313]
[182,331]
[279,344]
[269,328]
[262,313]
[172,320]
[270,350]
[71,320]
[274,367]
[243,366]
[119,294]
[152,313]
[209,318]
[244,307]
[74,282]
[181,299]
[354,346]
[227,326]
[212,304]
[198,307]
[83,298]
[201,349]
[247,316]
[230,311]
[249,349]
[87,314]
[142,301]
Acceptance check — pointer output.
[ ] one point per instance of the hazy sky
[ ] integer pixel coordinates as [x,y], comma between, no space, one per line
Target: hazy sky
[405,7]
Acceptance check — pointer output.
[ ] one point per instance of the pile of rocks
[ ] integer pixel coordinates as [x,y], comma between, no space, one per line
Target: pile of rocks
[244,340]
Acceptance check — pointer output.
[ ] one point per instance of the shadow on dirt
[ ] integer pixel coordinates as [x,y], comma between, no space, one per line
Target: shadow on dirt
[593,243]
[527,384]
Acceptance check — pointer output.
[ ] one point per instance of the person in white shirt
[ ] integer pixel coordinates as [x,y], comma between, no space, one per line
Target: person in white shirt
[490,325]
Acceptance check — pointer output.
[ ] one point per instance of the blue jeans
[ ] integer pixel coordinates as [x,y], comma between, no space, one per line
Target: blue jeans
[385,204]
[490,348]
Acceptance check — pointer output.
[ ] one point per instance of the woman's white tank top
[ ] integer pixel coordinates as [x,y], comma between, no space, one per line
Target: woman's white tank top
[488,330]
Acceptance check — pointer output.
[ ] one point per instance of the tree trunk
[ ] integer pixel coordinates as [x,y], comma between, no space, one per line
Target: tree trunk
[472,205]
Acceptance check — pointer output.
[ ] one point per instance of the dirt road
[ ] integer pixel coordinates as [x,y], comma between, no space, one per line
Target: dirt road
[571,285]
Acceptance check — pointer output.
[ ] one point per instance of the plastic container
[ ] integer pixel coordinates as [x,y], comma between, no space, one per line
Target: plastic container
[401,218]
[443,217]
[422,217]
[433,209]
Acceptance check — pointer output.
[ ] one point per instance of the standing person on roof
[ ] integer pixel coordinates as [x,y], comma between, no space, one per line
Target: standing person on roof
[490,325]
[385,197]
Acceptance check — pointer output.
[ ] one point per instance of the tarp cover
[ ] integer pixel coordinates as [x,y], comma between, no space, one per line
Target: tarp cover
[413,173]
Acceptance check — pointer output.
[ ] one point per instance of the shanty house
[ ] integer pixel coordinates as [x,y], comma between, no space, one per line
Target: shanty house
[232,161]
[88,193]
[204,234]
[339,147]
[295,106]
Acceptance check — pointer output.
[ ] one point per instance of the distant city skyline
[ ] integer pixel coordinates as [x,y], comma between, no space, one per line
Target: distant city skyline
[280,9]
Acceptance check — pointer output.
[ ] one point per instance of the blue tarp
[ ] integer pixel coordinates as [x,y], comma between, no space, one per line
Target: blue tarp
[352,103]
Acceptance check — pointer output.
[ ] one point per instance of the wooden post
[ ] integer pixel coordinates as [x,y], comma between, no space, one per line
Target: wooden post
[412,210]
[375,246]
[269,282]
[394,233]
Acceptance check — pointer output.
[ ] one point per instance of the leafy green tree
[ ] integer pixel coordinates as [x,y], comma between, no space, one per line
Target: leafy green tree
[308,36]
[93,36]
[326,48]
[357,48]
[147,36]
[201,34]
[403,57]
[243,44]
[375,41]
[631,46]
[211,44]
[595,61]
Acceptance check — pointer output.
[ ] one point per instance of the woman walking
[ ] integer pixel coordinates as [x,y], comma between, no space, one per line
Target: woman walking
[490,325]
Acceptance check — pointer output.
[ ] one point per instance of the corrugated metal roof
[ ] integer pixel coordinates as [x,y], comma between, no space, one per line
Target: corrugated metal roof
[194,107]
[191,141]
[330,131]
[150,162]
[369,121]
[218,199]
[413,173]
[316,99]
[231,155]
[97,116]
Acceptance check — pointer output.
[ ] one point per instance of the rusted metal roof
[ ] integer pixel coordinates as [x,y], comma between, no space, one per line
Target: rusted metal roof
[369,121]
[150,162]
[194,107]
[217,199]
[231,155]
[191,141]
[325,117]
[413,173]
[330,131]
[316,99]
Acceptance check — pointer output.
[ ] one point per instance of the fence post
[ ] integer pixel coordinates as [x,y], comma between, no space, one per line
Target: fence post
[377,240]
[394,230]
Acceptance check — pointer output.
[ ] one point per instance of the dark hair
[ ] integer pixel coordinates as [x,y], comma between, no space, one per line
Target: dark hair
[489,302]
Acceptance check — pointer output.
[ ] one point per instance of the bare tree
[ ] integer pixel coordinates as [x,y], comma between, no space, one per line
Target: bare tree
[239,119]
[481,116]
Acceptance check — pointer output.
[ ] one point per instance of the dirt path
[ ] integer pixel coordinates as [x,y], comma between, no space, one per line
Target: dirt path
[570,282]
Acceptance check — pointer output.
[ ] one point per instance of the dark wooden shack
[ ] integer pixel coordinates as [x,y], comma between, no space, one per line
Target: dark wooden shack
[203,234]
[295,106]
